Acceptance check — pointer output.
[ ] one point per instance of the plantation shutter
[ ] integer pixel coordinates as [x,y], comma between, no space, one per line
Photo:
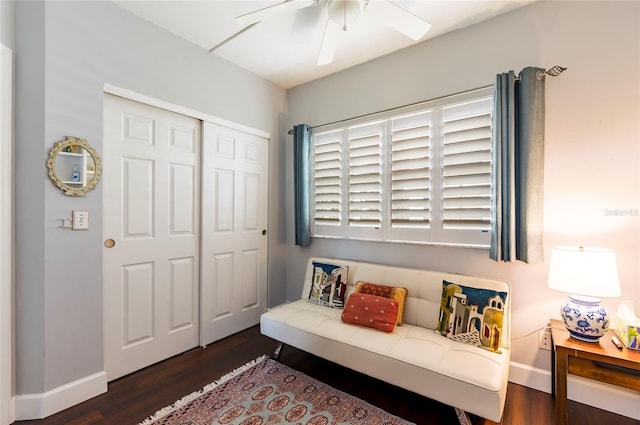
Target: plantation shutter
[466,161]
[419,174]
[410,171]
[327,181]
[365,175]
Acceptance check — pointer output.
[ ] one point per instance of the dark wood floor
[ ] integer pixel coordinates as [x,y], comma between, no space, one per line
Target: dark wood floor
[134,397]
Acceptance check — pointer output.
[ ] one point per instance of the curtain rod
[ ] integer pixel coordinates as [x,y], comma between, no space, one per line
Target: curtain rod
[395,107]
[554,71]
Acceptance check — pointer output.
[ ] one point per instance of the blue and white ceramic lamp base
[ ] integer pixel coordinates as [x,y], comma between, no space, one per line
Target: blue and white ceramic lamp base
[585,318]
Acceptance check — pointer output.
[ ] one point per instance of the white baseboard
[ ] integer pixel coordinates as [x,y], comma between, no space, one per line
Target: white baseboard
[12,410]
[586,391]
[38,406]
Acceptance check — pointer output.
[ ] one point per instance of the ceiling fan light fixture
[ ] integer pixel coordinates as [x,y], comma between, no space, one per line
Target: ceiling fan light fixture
[343,12]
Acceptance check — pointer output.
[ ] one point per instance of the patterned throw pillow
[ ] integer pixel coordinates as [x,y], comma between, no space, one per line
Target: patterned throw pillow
[398,294]
[329,284]
[371,311]
[472,315]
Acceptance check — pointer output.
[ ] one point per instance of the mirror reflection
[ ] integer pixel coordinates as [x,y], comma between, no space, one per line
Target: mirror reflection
[74,166]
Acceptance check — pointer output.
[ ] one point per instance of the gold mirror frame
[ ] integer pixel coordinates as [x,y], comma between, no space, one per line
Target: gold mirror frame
[70,144]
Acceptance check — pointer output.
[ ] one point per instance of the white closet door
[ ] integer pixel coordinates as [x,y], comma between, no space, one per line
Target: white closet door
[151,213]
[234,241]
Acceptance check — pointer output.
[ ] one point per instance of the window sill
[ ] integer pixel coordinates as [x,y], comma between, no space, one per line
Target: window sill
[434,244]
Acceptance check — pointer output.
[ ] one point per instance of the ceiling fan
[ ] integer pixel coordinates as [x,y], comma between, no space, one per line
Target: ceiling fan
[340,14]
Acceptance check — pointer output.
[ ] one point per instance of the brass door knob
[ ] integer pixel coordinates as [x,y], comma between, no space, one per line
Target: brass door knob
[109,243]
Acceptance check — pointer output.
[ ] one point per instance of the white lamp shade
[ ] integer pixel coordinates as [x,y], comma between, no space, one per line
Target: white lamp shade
[584,271]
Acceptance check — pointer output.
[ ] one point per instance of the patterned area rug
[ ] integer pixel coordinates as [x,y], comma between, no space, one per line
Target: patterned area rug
[265,392]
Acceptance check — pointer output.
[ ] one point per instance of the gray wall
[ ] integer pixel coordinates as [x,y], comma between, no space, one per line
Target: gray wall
[65,53]
[592,149]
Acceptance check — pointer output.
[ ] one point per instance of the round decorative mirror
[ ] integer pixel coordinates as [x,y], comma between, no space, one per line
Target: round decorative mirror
[74,166]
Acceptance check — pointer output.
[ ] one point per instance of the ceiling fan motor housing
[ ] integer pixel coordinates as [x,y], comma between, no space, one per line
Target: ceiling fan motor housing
[343,12]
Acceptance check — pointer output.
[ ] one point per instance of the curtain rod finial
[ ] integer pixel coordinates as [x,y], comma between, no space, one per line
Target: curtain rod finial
[554,71]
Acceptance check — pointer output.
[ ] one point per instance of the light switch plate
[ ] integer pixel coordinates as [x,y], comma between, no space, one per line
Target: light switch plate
[80,220]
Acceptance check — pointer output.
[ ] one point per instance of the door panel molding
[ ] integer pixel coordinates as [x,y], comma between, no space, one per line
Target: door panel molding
[235,194]
[151,209]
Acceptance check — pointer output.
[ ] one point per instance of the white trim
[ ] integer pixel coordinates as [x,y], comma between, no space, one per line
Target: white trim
[38,406]
[12,410]
[158,103]
[6,229]
[586,391]
[531,377]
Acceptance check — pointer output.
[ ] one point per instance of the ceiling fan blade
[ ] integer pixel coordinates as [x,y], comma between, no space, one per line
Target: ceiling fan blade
[261,14]
[398,18]
[231,37]
[329,43]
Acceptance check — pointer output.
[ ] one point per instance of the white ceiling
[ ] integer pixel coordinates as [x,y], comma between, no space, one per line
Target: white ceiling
[284,48]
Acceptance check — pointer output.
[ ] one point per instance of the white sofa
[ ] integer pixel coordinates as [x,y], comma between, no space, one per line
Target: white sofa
[413,356]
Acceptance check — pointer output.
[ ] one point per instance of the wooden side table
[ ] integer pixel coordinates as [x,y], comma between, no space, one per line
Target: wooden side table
[601,361]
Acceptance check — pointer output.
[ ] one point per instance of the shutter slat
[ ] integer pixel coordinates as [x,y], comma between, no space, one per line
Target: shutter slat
[411,134]
[465,202]
[411,174]
[410,184]
[326,183]
[467,180]
[471,168]
[417,193]
[403,145]
[467,213]
[418,153]
[328,165]
[467,146]
[328,173]
[409,205]
[461,191]
[409,164]
[468,157]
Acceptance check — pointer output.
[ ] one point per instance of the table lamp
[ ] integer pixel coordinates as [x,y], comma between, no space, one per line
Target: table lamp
[586,274]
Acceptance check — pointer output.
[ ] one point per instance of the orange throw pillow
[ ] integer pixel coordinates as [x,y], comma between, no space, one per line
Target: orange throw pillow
[371,311]
[396,293]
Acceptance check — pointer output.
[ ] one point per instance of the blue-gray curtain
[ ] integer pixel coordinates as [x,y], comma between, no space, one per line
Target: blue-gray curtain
[518,166]
[301,176]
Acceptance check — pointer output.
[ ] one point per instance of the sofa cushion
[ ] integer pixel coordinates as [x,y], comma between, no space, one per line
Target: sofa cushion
[396,293]
[328,285]
[371,311]
[472,315]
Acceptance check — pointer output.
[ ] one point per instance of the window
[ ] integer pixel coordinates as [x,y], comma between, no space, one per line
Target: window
[417,174]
